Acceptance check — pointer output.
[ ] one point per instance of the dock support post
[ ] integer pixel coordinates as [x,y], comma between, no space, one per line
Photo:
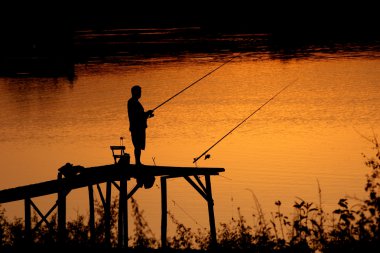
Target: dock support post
[164,212]
[28,222]
[92,214]
[107,218]
[210,203]
[61,212]
[123,215]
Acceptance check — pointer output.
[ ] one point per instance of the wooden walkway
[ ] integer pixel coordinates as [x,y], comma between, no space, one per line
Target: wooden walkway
[117,175]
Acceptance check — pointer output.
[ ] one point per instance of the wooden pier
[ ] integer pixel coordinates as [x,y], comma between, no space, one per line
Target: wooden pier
[118,175]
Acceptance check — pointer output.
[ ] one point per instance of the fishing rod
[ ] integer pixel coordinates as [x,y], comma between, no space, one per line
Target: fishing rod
[209,73]
[233,129]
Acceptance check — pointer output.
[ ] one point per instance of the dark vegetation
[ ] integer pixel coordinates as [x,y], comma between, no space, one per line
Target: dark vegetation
[350,228]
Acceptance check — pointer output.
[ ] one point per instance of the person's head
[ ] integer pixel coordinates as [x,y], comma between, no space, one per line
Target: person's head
[136,91]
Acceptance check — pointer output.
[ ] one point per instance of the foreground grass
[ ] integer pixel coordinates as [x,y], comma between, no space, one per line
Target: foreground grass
[352,228]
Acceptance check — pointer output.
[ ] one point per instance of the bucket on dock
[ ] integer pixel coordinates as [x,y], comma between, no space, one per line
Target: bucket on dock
[124,159]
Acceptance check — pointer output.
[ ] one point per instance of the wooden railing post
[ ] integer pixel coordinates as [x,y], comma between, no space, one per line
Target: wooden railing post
[210,203]
[28,222]
[123,214]
[107,213]
[61,212]
[91,221]
[164,212]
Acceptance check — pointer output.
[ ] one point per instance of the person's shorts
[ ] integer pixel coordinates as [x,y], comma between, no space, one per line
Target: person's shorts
[138,139]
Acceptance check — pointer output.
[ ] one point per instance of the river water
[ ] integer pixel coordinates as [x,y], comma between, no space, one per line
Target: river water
[311,136]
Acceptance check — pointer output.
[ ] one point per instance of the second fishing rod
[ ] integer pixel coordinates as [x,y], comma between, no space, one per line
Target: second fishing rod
[241,123]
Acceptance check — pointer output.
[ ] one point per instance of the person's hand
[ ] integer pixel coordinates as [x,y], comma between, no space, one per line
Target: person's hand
[150,113]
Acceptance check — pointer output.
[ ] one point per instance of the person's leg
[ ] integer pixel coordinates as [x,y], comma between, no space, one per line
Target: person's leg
[137,156]
[138,140]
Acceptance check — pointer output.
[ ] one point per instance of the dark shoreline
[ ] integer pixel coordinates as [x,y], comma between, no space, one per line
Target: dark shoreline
[48,41]
[55,57]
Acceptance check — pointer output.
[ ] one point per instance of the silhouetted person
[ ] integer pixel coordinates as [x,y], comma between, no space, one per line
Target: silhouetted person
[137,122]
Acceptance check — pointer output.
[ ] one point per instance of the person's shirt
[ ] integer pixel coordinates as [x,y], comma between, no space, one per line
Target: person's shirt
[136,114]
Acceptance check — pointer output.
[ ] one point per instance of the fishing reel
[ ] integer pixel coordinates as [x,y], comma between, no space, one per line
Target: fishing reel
[150,113]
[207,156]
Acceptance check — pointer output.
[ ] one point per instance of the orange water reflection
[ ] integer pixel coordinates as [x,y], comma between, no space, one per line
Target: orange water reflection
[307,135]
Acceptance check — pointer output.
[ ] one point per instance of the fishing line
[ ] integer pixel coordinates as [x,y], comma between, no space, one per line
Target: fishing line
[176,204]
[209,73]
[233,129]
[186,213]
